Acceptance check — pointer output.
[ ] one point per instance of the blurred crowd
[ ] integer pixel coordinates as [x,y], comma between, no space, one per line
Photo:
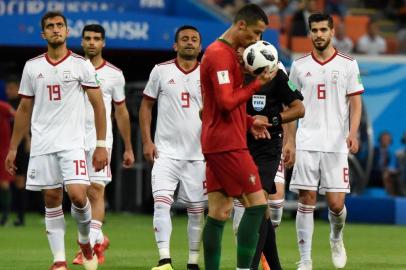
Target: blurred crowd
[364,27]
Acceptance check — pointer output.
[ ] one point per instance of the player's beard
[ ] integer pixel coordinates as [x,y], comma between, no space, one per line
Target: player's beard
[323,46]
[188,57]
[56,43]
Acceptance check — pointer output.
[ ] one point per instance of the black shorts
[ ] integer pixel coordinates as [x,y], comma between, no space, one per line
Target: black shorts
[267,169]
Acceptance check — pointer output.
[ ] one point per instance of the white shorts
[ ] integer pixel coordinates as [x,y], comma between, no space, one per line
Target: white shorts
[102,177]
[326,171]
[55,170]
[167,173]
[280,173]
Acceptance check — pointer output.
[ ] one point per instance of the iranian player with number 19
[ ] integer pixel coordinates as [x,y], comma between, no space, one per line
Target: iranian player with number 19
[176,153]
[331,85]
[52,89]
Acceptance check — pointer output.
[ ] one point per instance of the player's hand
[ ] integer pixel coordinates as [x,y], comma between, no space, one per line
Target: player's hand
[259,127]
[128,158]
[9,163]
[150,152]
[289,154]
[352,143]
[100,159]
[267,76]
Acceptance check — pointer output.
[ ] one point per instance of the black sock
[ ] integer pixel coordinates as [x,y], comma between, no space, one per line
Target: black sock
[270,249]
[5,201]
[263,230]
[20,202]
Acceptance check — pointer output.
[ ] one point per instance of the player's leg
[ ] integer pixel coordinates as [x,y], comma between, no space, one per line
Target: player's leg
[76,180]
[192,192]
[267,241]
[163,181]
[50,182]
[237,215]
[305,179]
[276,201]
[5,200]
[335,184]
[220,206]
[20,199]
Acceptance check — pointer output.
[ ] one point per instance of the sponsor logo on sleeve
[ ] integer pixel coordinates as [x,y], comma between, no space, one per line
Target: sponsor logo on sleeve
[223,77]
[292,86]
[258,102]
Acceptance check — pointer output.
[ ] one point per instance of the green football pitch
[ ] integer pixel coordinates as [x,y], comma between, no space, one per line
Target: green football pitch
[133,246]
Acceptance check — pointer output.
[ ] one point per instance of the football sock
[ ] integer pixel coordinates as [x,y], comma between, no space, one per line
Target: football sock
[82,217]
[162,224]
[276,207]
[270,249]
[337,222]
[247,236]
[304,230]
[55,229]
[212,235]
[5,201]
[21,198]
[194,229]
[95,231]
[238,212]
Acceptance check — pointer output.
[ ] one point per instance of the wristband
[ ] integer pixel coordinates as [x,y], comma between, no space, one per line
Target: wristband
[276,120]
[100,143]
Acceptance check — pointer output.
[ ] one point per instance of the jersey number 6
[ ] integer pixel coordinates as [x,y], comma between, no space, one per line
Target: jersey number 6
[321,91]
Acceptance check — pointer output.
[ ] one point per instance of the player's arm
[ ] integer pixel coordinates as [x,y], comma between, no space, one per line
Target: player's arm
[145,118]
[355,119]
[100,154]
[21,123]
[123,123]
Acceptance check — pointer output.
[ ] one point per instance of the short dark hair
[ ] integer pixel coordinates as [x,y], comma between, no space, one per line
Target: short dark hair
[185,27]
[251,14]
[97,28]
[320,17]
[52,14]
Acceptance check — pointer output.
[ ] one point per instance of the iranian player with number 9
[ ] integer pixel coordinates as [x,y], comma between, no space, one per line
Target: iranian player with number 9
[331,85]
[53,88]
[176,153]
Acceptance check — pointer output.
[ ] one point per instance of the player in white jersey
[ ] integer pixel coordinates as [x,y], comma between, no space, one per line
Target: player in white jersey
[176,151]
[112,85]
[331,85]
[53,88]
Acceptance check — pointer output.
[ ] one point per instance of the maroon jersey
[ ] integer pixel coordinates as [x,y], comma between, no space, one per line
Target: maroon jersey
[224,120]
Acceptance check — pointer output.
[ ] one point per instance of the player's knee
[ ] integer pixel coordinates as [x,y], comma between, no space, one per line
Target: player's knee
[162,203]
[336,208]
[95,192]
[78,199]
[53,198]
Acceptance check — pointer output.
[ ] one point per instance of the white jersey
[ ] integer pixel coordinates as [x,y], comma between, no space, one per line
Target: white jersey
[179,98]
[112,84]
[325,88]
[58,120]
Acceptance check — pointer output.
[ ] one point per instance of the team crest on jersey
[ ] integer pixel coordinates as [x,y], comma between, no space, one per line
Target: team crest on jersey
[258,102]
[31,174]
[101,81]
[66,75]
[334,76]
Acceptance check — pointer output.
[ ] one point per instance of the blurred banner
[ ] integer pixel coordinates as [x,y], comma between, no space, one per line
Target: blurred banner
[129,24]
[384,80]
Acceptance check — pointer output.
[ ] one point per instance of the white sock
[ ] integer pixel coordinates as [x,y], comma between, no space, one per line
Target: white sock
[194,229]
[337,223]
[55,229]
[304,230]
[162,224]
[95,231]
[238,213]
[276,207]
[82,217]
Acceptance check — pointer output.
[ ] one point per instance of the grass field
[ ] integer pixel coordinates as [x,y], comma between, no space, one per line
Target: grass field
[133,245]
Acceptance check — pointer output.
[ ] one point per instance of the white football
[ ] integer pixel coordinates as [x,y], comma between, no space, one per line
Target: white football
[259,55]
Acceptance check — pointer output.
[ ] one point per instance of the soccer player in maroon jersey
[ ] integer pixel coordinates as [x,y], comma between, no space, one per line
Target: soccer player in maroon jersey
[230,169]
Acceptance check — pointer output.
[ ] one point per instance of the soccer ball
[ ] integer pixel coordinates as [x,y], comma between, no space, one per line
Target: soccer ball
[259,55]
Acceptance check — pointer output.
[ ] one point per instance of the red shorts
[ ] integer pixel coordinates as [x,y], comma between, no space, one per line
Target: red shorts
[233,172]
[4,175]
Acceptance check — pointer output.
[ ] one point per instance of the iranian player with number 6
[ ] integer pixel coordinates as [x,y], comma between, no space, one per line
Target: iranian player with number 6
[331,85]
[53,88]
[175,152]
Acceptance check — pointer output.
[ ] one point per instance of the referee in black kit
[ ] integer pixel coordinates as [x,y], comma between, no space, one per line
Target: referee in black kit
[281,102]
